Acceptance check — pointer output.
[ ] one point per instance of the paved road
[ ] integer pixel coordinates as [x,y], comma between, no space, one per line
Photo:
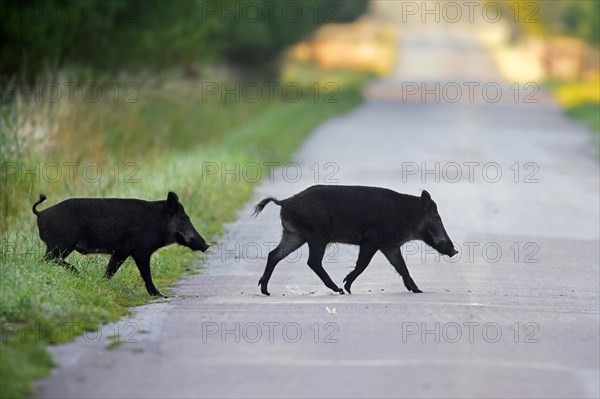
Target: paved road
[515,316]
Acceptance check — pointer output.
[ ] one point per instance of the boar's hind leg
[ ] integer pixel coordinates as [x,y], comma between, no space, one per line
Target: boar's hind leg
[115,262]
[364,257]
[316,251]
[288,244]
[142,262]
[395,257]
[58,255]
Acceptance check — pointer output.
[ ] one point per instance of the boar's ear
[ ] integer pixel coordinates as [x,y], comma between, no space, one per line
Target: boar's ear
[173,201]
[426,201]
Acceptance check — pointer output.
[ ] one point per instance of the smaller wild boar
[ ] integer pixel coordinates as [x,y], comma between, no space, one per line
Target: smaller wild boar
[376,219]
[116,226]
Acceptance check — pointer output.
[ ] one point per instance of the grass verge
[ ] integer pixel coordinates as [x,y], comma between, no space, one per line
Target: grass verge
[42,304]
[581,101]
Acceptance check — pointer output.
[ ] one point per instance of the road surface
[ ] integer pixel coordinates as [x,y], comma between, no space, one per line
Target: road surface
[516,315]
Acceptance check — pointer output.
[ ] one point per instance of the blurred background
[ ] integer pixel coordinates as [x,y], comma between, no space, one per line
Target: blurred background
[127,98]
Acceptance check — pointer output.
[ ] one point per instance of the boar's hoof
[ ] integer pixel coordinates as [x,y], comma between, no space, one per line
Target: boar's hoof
[263,287]
[411,286]
[341,291]
[158,294]
[347,285]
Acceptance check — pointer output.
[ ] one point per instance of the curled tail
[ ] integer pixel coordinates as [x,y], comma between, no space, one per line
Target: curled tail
[42,199]
[261,205]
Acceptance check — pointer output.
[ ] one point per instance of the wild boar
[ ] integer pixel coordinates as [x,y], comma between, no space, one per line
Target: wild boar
[115,226]
[371,217]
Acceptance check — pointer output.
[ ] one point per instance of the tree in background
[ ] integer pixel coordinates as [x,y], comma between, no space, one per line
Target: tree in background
[42,36]
[576,18]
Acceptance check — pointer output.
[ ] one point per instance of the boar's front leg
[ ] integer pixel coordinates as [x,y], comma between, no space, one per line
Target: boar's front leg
[116,260]
[364,257]
[395,257]
[142,262]
[316,251]
[58,255]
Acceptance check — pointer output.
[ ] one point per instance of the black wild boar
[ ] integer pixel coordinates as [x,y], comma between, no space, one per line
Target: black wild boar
[371,217]
[115,226]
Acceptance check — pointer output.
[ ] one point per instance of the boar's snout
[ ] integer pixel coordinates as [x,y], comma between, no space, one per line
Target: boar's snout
[447,248]
[205,247]
[200,247]
[193,241]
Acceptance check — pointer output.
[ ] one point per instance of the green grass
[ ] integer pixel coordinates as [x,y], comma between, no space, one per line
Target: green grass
[115,343]
[588,113]
[581,102]
[168,137]
[23,360]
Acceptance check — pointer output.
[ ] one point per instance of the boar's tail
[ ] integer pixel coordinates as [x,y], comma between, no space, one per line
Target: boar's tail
[261,205]
[42,199]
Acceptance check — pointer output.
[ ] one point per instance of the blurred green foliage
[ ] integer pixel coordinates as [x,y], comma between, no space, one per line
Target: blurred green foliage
[582,19]
[577,18]
[41,36]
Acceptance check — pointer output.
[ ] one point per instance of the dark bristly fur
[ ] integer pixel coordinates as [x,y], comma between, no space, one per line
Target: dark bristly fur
[376,219]
[115,226]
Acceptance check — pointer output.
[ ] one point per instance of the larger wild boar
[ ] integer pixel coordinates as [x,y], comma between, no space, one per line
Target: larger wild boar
[116,226]
[376,219]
